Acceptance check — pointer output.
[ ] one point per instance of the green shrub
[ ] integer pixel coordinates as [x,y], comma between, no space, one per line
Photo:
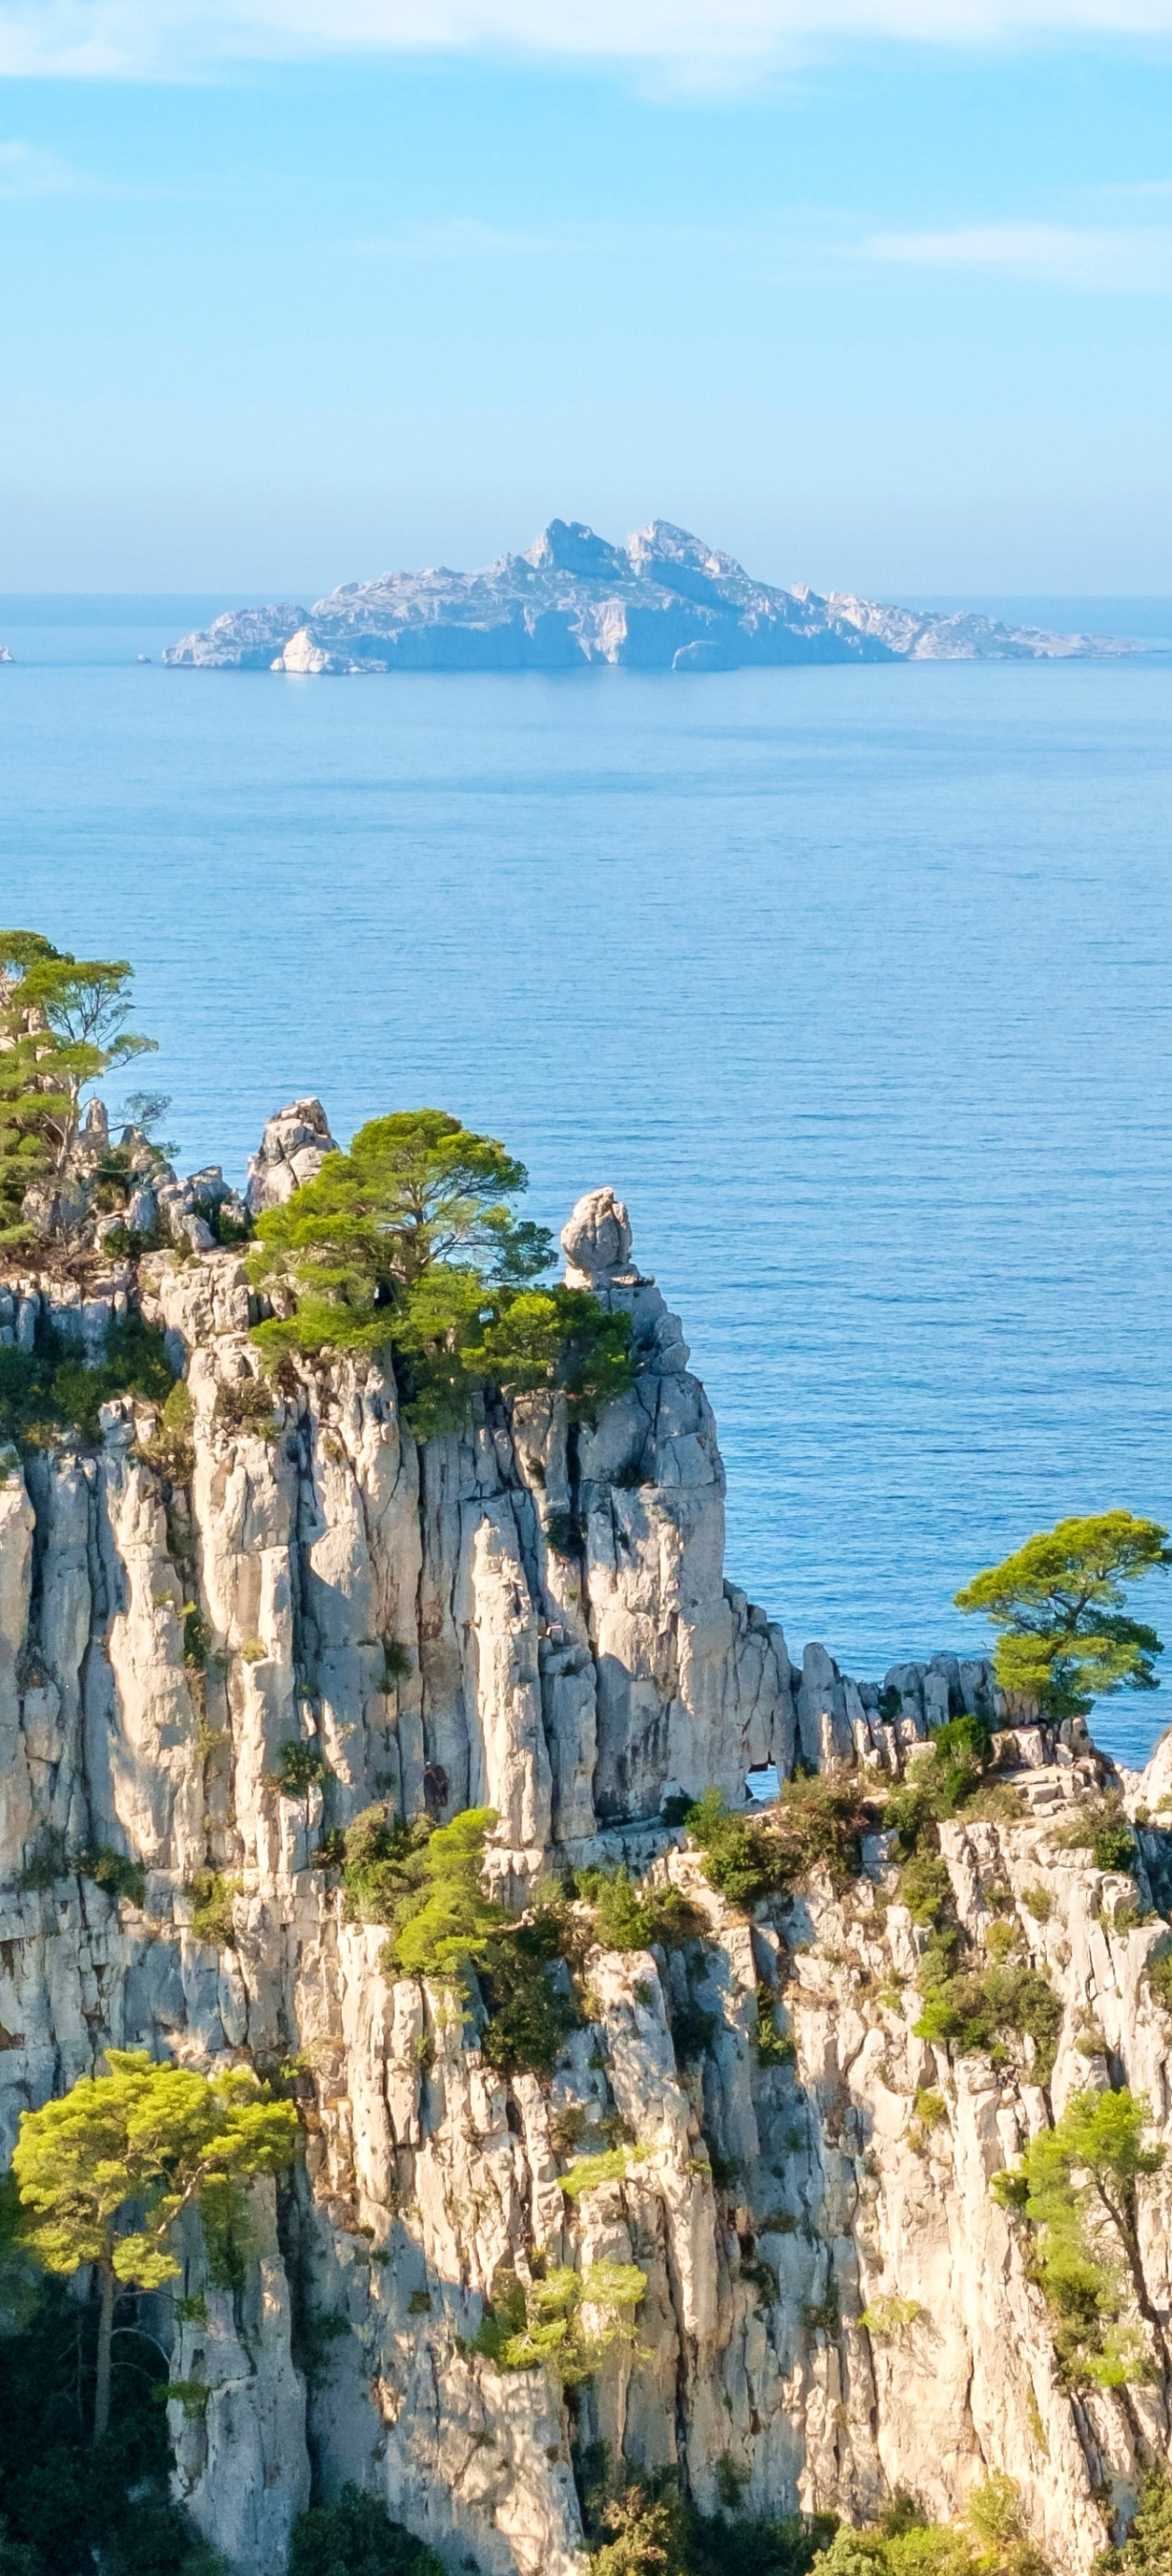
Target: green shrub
[246,1404]
[301,1768]
[1101,1828]
[1158,1974]
[171,1449]
[529,2015]
[925,1886]
[638,1917]
[641,2525]
[356,2537]
[48,1392]
[591,2173]
[773,2047]
[407,1245]
[113,1872]
[538,2324]
[1038,1902]
[563,1533]
[212,1918]
[70,2503]
[888,2318]
[110,1870]
[692,2030]
[444,1922]
[1076,2185]
[982,2009]
[1147,2550]
[816,1823]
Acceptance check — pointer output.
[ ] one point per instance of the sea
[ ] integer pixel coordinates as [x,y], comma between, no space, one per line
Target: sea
[855,983]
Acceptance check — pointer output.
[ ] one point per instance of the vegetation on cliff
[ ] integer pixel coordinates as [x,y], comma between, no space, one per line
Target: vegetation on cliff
[62,1027]
[104,2172]
[409,1243]
[816,1822]
[1057,1607]
[1076,2187]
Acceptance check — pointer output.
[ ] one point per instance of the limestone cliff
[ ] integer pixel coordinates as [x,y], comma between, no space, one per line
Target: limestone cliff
[405,1609]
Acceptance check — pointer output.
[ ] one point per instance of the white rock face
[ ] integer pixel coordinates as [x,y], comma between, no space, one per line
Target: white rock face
[291,1151]
[664,601]
[569,1685]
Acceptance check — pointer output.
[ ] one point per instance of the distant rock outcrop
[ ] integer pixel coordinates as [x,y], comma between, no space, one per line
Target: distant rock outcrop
[664,601]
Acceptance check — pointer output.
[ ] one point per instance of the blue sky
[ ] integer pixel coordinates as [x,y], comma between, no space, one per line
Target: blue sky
[875,293]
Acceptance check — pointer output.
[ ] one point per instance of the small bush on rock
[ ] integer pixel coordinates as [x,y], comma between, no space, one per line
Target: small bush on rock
[356,2537]
[637,1917]
[640,2525]
[539,2324]
[1102,1829]
[48,1392]
[984,2009]
[815,1823]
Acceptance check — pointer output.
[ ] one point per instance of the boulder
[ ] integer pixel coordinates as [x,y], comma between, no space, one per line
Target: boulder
[291,1151]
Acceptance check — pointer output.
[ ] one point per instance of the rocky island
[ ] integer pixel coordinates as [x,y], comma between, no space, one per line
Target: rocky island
[663,602]
[671,2032]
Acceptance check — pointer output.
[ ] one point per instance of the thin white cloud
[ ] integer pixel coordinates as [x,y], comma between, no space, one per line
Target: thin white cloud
[174,38]
[27,172]
[1096,259]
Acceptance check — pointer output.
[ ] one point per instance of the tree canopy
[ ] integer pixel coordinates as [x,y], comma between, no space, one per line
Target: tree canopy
[1076,2183]
[409,1242]
[63,1025]
[104,2172]
[1057,1606]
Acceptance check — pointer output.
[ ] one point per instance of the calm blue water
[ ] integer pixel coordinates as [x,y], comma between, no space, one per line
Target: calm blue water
[856,984]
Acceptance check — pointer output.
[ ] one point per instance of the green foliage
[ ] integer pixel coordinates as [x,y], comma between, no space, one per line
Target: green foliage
[1038,1902]
[1158,1974]
[541,2324]
[68,2503]
[888,2318]
[246,1404]
[48,1391]
[1147,2550]
[637,1917]
[731,2481]
[1057,1606]
[356,2537]
[1076,2184]
[444,1922]
[815,1822]
[773,2047]
[692,2030]
[592,2173]
[563,1533]
[1101,1828]
[171,1450]
[991,2542]
[62,1026]
[930,2108]
[530,2015]
[110,1870]
[409,1243]
[925,1886]
[301,1768]
[145,2140]
[941,1780]
[212,1919]
[984,2008]
[645,2527]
